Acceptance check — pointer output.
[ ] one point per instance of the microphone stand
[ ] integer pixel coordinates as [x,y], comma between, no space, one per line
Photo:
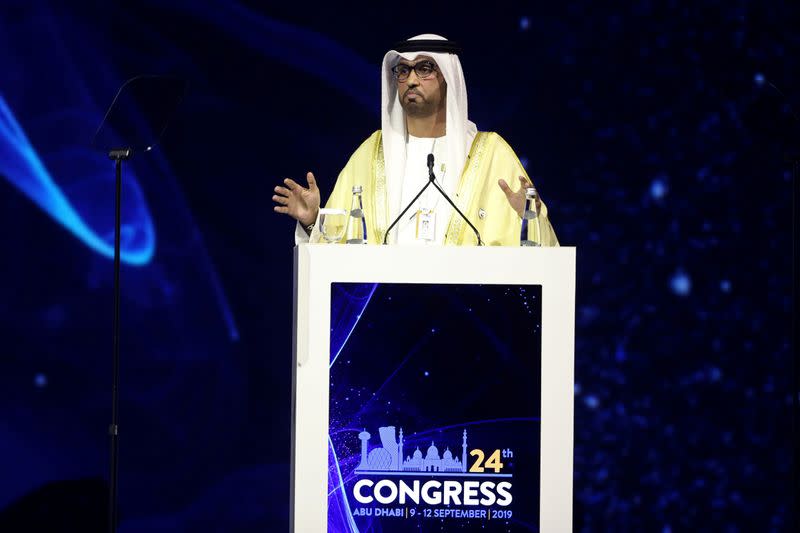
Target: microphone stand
[134,122]
[794,158]
[400,216]
[118,156]
[432,180]
[431,177]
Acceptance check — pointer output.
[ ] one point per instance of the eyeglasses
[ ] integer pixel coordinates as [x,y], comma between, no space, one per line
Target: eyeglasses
[423,69]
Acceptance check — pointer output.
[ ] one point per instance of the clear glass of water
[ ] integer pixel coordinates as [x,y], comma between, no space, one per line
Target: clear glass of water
[331,224]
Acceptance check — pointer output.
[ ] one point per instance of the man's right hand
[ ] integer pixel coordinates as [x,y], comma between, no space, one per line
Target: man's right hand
[300,203]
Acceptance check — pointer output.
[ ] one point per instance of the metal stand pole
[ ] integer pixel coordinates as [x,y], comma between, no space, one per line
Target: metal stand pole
[118,156]
[795,161]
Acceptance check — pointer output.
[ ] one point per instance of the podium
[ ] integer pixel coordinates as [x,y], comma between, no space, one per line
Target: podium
[432,388]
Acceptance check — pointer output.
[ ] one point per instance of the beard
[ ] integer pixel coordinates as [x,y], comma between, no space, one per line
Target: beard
[421,106]
[418,108]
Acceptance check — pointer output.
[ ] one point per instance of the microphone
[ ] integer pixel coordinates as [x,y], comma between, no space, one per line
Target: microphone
[422,190]
[432,180]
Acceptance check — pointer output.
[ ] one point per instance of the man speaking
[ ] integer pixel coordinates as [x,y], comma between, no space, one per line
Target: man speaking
[424,129]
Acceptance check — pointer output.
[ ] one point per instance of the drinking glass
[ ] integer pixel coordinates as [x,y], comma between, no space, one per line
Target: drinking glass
[331,224]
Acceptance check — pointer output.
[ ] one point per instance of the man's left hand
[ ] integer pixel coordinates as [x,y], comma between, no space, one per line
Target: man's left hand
[517,199]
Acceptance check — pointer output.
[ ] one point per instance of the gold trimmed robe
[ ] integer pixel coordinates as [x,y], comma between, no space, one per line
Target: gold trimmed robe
[478,195]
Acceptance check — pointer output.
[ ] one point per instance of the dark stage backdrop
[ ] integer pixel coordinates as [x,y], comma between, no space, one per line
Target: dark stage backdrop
[652,130]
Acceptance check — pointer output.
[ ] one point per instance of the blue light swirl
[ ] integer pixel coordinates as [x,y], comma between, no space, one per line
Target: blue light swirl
[22,166]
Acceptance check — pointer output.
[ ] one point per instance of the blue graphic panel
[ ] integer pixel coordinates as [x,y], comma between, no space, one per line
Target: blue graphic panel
[435,409]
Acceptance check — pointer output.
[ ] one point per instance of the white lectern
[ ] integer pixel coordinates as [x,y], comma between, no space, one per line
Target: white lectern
[430,414]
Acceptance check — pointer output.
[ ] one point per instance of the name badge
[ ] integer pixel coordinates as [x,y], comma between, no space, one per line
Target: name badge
[426,225]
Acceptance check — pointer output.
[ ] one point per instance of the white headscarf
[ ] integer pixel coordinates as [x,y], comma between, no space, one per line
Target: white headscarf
[459,130]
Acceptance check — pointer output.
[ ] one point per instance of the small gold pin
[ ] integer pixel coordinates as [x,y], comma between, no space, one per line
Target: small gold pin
[481,214]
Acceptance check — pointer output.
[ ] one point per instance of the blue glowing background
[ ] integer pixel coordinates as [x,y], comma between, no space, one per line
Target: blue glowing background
[652,130]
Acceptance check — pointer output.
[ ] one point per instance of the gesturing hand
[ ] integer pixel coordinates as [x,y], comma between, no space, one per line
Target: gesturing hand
[300,203]
[517,199]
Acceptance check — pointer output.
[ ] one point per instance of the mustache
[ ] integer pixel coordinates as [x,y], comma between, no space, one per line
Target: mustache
[411,91]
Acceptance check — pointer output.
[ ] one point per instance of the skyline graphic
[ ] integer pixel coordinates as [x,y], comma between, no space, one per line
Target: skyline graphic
[389,456]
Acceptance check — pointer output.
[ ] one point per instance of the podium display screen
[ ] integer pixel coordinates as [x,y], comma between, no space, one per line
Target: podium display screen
[435,405]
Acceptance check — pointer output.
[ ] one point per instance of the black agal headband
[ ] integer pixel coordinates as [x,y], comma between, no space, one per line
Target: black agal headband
[427,45]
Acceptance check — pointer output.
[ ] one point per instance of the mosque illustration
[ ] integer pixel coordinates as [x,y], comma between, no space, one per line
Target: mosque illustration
[389,456]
